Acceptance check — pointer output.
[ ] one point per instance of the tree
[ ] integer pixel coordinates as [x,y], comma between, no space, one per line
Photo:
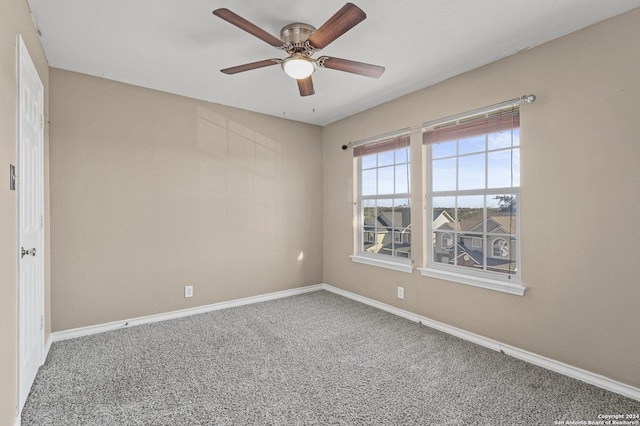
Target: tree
[506,202]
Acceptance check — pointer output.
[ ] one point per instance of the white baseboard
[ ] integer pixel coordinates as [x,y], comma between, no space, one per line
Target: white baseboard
[539,360]
[101,328]
[550,364]
[18,420]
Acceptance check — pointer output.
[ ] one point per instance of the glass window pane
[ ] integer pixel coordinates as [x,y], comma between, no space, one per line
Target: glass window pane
[444,227]
[443,149]
[368,224]
[471,201]
[385,158]
[516,167]
[384,220]
[444,202]
[385,204]
[501,214]
[499,140]
[402,155]
[443,247]
[470,225]
[516,137]
[369,161]
[473,144]
[403,213]
[444,213]
[443,174]
[444,221]
[471,172]
[499,169]
[402,179]
[470,213]
[402,228]
[400,217]
[471,248]
[503,256]
[385,213]
[369,182]
[469,259]
[447,240]
[385,180]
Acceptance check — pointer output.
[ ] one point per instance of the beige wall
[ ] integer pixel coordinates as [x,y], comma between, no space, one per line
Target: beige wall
[14,19]
[151,192]
[579,207]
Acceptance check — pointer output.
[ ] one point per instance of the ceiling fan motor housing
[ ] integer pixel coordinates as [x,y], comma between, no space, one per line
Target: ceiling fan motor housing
[295,35]
[298,65]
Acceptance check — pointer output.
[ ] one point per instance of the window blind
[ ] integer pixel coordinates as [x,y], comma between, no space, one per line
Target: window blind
[479,124]
[382,145]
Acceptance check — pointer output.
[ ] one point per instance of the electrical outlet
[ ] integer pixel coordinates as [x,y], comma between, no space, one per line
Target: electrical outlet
[400,292]
[188,291]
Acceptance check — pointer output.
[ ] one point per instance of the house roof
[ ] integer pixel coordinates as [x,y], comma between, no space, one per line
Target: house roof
[398,219]
[492,262]
[497,222]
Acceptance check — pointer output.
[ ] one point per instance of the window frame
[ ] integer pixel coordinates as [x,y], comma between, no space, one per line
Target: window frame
[480,278]
[395,262]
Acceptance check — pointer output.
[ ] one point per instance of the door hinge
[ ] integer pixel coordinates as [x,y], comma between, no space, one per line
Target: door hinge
[41,222]
[42,122]
[12,177]
[41,322]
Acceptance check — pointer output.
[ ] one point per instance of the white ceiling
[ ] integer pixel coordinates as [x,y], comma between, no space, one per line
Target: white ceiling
[179,46]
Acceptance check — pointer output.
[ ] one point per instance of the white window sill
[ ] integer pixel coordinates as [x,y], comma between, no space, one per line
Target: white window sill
[483,282]
[396,265]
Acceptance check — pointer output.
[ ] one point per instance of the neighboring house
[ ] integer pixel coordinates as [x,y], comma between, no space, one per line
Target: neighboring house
[388,233]
[441,218]
[472,240]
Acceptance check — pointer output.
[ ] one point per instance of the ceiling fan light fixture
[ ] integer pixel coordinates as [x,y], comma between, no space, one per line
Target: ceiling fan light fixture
[298,66]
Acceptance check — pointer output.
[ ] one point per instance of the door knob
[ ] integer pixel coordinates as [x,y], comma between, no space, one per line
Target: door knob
[31,252]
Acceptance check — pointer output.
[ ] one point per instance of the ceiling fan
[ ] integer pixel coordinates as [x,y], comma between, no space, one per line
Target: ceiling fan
[301,41]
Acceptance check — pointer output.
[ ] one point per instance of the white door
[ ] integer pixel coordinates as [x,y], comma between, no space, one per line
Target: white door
[30,221]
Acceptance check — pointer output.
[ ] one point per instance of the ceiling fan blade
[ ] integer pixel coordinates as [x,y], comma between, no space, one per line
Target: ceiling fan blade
[354,67]
[305,86]
[247,26]
[346,18]
[251,66]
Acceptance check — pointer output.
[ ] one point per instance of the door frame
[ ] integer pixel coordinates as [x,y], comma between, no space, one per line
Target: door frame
[23,60]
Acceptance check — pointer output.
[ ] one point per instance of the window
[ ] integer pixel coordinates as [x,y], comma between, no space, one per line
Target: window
[473,181]
[446,240]
[383,207]
[369,236]
[500,248]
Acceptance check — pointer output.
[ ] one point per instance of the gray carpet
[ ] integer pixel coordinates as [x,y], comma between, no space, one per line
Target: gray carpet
[316,358]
